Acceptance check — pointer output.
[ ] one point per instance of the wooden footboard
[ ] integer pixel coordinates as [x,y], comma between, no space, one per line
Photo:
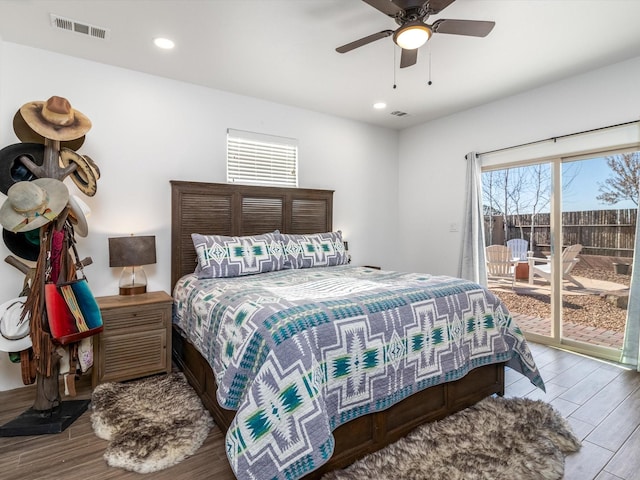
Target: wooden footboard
[368,433]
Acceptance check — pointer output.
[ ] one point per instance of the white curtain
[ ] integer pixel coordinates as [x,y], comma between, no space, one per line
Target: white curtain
[631,348]
[472,259]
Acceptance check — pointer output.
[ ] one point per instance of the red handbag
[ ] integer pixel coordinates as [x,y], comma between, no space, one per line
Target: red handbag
[72,310]
[67,323]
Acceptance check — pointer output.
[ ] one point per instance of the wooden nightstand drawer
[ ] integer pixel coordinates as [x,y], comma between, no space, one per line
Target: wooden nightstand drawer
[136,340]
[133,318]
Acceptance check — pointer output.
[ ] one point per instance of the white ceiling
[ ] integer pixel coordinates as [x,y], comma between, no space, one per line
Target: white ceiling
[284,50]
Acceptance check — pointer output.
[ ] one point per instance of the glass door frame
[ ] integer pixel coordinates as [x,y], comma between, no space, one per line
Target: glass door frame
[555,337]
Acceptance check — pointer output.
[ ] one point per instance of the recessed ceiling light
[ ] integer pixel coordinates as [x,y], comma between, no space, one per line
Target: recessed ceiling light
[379,105]
[164,43]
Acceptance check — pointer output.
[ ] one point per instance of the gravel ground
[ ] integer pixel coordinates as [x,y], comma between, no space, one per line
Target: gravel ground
[592,310]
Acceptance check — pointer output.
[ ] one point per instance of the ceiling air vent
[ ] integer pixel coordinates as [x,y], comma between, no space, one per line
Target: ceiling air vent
[83,28]
[398,113]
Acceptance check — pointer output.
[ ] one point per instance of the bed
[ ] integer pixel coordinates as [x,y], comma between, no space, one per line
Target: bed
[326,415]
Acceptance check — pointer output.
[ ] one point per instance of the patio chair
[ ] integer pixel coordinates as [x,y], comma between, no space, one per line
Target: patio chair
[569,260]
[500,263]
[519,247]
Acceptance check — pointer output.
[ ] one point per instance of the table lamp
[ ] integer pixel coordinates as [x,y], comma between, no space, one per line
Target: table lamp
[131,253]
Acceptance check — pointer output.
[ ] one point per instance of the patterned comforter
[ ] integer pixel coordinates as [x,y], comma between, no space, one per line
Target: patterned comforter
[299,352]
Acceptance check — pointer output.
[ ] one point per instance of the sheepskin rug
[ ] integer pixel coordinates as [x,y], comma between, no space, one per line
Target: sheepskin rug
[497,439]
[150,424]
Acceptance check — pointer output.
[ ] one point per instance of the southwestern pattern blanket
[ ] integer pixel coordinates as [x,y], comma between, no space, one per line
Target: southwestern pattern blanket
[297,353]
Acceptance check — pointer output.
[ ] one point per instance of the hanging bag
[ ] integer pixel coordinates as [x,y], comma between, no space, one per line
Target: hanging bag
[72,310]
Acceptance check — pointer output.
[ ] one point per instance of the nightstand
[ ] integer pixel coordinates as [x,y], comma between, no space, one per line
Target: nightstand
[136,340]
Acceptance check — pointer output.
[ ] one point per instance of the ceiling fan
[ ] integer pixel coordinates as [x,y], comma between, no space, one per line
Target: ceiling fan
[413,31]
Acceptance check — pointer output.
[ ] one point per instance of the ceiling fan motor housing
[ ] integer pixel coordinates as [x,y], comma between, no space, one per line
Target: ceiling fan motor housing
[412,11]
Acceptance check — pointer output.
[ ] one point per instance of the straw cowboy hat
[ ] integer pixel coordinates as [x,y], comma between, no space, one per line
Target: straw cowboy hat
[14,334]
[55,119]
[26,245]
[86,174]
[92,166]
[26,134]
[12,170]
[30,205]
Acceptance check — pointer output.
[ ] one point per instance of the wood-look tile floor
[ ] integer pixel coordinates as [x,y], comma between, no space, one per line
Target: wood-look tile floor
[600,400]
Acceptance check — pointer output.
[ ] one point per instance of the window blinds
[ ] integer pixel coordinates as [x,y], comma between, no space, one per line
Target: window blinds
[258,159]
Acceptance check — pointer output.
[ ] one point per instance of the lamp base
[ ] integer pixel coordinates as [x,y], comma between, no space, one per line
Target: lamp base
[133,289]
[133,281]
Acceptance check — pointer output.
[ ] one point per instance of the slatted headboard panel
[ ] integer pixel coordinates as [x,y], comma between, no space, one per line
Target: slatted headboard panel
[228,209]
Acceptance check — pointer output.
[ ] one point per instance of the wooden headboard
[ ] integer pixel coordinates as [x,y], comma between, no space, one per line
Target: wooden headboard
[230,209]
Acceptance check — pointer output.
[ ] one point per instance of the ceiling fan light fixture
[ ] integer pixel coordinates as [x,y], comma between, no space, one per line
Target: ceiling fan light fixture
[412,35]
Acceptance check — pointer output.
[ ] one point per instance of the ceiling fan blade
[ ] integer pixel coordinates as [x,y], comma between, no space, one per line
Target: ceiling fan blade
[408,58]
[363,41]
[436,6]
[473,28]
[385,6]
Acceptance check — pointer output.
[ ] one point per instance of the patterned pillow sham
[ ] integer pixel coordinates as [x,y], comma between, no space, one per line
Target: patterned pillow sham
[220,256]
[314,250]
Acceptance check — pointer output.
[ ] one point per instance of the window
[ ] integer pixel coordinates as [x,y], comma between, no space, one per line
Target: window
[258,159]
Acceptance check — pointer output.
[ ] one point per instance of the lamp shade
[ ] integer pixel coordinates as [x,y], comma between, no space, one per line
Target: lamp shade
[412,35]
[132,250]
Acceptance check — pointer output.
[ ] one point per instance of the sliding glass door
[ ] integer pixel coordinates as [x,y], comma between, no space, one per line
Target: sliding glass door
[598,216]
[578,218]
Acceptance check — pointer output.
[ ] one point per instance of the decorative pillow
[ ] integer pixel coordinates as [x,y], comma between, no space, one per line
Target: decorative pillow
[220,256]
[314,250]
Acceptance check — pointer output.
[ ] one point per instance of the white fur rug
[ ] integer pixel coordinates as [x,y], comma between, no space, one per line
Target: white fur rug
[150,424]
[497,439]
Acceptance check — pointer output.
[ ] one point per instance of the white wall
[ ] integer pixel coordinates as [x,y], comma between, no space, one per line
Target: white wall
[396,195]
[149,130]
[432,165]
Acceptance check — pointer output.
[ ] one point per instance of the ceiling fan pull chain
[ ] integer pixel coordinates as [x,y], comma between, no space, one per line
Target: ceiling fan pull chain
[394,66]
[429,53]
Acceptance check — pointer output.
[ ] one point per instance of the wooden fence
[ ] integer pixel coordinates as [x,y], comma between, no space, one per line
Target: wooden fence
[600,232]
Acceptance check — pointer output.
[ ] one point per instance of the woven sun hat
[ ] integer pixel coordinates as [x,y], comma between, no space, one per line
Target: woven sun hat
[14,334]
[55,119]
[26,134]
[30,205]
[86,174]
[12,168]
[78,213]
[92,165]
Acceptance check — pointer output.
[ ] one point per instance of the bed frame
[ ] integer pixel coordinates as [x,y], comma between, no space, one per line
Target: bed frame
[228,209]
